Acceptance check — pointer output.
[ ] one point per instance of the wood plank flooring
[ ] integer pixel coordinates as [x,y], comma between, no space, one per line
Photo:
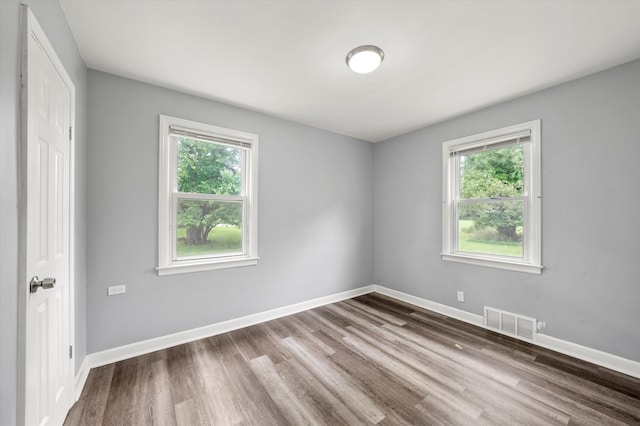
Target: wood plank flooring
[368,360]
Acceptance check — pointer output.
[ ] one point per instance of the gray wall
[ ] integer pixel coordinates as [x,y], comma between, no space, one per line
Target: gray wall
[315,217]
[589,291]
[50,16]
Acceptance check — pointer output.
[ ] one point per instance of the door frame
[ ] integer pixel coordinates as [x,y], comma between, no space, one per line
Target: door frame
[31,28]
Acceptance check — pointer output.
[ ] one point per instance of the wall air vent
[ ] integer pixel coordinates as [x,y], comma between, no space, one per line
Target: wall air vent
[510,324]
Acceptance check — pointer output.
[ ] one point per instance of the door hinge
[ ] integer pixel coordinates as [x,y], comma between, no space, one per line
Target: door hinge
[70,132]
[70,352]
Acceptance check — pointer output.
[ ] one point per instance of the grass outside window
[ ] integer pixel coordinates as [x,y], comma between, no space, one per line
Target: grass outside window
[473,241]
[222,239]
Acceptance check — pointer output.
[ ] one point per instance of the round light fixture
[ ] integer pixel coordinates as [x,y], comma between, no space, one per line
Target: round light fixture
[365,59]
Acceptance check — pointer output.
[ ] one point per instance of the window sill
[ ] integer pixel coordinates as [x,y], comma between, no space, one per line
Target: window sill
[494,263]
[199,266]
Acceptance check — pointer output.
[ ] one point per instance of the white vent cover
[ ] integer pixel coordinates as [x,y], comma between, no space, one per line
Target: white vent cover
[511,324]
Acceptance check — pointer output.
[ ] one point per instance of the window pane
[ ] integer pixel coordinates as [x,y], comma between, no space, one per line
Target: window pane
[492,173]
[208,168]
[207,228]
[491,228]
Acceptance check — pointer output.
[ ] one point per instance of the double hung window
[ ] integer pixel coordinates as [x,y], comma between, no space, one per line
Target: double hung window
[491,199]
[208,197]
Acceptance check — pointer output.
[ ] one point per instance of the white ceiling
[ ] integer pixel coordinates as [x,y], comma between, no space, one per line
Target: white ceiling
[287,58]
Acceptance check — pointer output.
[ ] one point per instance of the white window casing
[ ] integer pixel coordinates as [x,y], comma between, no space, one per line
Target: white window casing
[527,134]
[168,196]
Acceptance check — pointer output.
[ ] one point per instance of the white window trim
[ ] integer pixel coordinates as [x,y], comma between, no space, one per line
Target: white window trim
[168,186]
[532,244]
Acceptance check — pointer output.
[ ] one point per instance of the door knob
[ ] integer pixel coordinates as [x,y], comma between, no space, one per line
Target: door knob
[36,283]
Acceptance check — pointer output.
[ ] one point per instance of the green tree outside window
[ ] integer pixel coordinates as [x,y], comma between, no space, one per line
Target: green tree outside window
[492,179]
[215,169]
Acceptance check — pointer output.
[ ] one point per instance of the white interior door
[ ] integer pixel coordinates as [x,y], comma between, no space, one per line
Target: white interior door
[46,210]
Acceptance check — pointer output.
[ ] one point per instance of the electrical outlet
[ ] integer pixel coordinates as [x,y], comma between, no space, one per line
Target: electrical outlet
[460,296]
[116,289]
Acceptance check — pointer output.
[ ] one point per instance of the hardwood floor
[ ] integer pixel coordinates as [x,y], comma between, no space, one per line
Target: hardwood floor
[368,360]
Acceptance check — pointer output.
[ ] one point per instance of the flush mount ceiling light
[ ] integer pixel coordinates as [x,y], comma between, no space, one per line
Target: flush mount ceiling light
[365,59]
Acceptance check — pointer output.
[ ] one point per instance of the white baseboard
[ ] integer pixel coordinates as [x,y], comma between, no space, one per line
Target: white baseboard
[109,356]
[81,377]
[603,359]
[613,362]
[432,306]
